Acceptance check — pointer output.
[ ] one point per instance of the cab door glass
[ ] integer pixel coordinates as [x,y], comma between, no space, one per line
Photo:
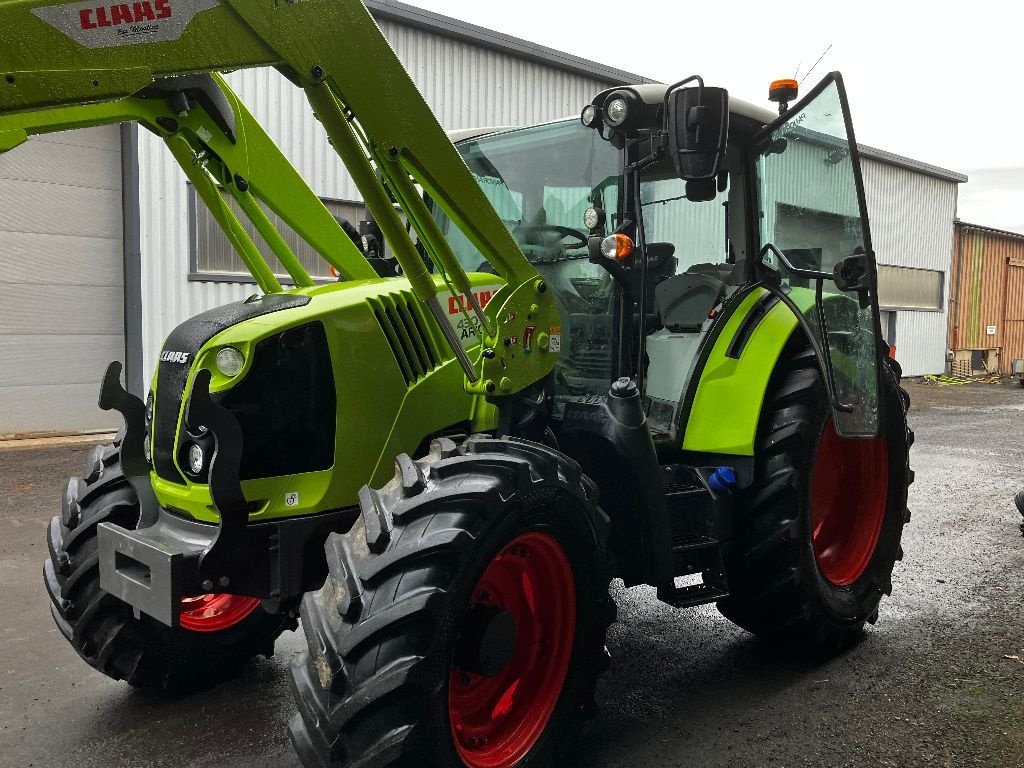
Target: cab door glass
[812,212]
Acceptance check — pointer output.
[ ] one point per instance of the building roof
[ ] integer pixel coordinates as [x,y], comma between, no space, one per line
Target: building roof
[410,16]
[990,230]
[890,158]
[446,26]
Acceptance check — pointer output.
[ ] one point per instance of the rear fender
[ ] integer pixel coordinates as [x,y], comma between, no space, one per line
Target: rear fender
[730,387]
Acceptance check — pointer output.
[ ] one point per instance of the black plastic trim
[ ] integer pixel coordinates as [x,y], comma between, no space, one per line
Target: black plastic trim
[753,319]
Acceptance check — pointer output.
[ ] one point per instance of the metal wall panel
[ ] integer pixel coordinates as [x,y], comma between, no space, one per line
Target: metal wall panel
[61,282]
[921,342]
[988,293]
[467,87]
[912,218]
[1013,340]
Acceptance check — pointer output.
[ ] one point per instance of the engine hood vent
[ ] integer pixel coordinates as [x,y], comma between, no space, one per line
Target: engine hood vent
[408,331]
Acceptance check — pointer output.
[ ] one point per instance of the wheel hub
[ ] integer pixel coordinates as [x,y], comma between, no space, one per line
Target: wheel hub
[214,613]
[488,641]
[849,496]
[513,652]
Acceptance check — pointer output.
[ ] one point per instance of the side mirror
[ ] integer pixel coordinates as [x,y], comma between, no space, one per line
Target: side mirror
[698,127]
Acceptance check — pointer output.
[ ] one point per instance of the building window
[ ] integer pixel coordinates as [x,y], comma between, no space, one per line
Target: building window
[212,255]
[907,288]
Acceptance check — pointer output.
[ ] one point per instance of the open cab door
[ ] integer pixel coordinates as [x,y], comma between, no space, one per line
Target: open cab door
[816,247]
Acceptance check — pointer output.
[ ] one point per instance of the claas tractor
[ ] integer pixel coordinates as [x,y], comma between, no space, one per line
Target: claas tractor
[639,344]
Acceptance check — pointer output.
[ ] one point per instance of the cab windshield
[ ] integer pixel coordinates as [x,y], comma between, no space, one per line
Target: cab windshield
[541,180]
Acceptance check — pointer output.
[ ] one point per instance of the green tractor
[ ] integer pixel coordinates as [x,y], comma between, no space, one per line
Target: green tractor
[643,344]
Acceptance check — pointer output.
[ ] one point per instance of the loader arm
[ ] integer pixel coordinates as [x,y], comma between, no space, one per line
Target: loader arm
[55,55]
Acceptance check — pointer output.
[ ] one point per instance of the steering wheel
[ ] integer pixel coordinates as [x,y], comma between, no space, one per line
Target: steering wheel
[578,235]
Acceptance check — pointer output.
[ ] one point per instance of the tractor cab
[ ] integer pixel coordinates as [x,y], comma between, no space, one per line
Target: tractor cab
[651,246]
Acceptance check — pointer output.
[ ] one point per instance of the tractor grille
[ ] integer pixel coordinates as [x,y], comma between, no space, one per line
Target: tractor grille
[405,325]
[187,340]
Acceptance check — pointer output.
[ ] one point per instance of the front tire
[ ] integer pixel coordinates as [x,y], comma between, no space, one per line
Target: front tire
[464,617]
[224,631]
[818,533]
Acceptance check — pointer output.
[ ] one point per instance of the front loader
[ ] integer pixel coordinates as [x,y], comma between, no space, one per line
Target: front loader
[642,344]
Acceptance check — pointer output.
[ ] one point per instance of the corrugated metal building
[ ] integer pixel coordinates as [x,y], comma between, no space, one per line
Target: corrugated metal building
[912,207]
[986,327]
[167,264]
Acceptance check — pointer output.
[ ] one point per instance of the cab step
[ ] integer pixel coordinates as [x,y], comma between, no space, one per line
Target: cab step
[692,595]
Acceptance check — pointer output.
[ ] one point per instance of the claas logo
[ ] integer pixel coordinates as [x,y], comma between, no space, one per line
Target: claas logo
[175,357]
[483,298]
[124,13]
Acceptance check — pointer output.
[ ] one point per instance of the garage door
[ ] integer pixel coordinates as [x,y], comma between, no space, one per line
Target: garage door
[61,297]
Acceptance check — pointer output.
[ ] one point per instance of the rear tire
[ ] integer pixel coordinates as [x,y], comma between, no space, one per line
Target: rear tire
[104,630]
[785,586]
[382,684]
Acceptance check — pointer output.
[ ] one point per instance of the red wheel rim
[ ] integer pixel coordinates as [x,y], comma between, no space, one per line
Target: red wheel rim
[849,492]
[213,613]
[496,720]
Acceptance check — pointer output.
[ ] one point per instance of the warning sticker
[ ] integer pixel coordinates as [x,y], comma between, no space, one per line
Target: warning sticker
[528,336]
[94,24]
[555,339]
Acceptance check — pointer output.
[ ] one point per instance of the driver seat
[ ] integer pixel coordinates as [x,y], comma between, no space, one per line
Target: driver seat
[685,301]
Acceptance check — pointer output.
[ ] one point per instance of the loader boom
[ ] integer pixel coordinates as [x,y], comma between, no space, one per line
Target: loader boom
[63,55]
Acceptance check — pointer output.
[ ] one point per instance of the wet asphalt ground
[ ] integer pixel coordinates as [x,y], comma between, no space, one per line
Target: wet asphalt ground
[939,681]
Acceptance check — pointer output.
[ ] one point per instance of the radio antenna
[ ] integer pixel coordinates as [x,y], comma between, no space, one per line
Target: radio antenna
[823,55]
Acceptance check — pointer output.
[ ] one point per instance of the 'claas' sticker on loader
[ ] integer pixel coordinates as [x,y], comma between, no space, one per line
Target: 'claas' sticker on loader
[95,24]
[467,327]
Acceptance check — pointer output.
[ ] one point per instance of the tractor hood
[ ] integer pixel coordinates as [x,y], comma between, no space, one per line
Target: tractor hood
[323,381]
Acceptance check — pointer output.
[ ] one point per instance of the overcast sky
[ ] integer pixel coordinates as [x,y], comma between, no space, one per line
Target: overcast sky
[939,82]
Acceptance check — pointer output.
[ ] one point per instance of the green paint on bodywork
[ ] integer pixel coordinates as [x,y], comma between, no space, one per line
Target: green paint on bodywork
[379,414]
[727,407]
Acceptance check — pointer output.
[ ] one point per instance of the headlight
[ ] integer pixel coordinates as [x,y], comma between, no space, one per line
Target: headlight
[592,218]
[196,459]
[149,407]
[616,112]
[147,452]
[230,361]
[589,116]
